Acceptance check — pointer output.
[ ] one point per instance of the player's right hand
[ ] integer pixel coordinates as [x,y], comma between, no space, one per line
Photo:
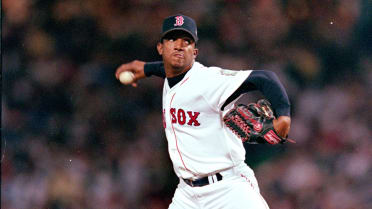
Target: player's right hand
[136,67]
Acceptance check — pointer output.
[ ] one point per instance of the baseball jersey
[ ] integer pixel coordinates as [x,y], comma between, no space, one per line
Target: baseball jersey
[199,143]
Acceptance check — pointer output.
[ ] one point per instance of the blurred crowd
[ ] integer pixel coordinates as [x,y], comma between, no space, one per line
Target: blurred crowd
[74,138]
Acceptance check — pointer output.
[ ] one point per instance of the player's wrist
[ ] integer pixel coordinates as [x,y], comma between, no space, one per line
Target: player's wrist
[154,68]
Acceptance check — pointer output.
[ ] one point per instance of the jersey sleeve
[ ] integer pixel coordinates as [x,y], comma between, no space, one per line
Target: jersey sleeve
[221,84]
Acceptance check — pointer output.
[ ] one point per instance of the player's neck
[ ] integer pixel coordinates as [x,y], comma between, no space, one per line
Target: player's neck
[174,80]
[171,71]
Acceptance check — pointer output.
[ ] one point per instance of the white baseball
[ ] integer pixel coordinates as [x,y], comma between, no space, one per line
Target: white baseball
[126,77]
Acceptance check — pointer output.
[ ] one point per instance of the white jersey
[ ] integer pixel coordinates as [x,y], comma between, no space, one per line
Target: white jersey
[199,143]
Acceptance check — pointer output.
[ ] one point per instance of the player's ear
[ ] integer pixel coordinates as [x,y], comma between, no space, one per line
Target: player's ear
[196,51]
[160,48]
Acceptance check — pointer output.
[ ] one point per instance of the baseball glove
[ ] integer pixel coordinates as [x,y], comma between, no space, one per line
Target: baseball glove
[253,123]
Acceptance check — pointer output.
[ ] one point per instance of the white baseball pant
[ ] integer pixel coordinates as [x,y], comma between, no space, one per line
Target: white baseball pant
[238,189]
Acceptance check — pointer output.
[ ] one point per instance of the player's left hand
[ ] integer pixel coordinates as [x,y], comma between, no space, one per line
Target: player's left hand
[256,123]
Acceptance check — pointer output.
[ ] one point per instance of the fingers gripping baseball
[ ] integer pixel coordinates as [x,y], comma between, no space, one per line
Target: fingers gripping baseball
[130,73]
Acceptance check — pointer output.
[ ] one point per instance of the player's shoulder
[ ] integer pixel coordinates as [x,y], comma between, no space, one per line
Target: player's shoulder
[214,70]
[208,69]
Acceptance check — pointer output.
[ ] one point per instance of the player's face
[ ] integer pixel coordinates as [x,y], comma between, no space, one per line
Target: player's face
[178,51]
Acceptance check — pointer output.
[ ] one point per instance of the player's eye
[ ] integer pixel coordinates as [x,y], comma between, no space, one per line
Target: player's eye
[188,41]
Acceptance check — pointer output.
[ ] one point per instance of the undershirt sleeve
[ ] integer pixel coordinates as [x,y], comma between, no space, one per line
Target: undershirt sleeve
[154,68]
[269,85]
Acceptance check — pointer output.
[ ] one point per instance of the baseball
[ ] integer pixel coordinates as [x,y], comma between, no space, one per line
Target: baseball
[126,77]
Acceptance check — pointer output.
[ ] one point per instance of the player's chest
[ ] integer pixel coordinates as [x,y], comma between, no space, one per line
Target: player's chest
[184,107]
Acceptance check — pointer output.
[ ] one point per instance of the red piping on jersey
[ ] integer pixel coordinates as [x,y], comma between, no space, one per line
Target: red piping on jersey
[184,81]
[170,105]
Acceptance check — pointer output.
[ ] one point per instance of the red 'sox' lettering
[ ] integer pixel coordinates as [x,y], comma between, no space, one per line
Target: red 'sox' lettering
[193,118]
[173,114]
[164,123]
[179,116]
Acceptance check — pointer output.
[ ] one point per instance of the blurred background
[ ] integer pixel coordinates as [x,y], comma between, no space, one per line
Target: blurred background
[73,137]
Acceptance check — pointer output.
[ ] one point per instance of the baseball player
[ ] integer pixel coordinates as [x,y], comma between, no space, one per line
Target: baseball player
[207,156]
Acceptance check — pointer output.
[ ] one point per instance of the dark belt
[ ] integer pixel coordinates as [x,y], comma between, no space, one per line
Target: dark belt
[203,181]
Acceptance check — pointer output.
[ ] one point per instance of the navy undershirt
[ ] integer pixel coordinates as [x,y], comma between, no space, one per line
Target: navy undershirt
[264,81]
[174,80]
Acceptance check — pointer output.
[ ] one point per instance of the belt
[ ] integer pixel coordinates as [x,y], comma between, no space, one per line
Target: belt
[204,181]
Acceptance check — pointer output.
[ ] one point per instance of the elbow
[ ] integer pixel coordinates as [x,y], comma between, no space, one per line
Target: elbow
[270,75]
